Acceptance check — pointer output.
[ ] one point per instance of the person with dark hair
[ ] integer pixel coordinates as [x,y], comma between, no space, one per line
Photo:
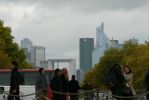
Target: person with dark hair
[115,80]
[56,85]
[14,84]
[128,89]
[147,84]
[73,88]
[41,85]
[64,78]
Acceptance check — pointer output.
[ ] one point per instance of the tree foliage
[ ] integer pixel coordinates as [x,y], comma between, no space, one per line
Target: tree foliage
[9,50]
[134,55]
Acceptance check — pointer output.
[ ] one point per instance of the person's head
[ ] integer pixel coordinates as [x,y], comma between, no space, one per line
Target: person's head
[127,70]
[117,66]
[73,77]
[65,72]
[14,64]
[41,70]
[57,72]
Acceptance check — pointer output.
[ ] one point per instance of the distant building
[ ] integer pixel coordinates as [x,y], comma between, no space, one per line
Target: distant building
[134,40]
[79,75]
[27,46]
[86,48]
[115,43]
[102,44]
[38,55]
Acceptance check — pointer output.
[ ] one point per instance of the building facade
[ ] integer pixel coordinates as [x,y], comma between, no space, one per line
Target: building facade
[86,48]
[27,46]
[38,55]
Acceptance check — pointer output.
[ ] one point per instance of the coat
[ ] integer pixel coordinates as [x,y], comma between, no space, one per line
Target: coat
[14,84]
[129,78]
[41,83]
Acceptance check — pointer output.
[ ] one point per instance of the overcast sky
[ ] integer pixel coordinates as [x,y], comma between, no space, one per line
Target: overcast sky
[58,24]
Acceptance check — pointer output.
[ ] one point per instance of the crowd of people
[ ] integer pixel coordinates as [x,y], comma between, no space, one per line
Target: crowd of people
[120,82]
[59,84]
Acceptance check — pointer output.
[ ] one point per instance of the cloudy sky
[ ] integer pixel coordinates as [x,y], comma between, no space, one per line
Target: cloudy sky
[58,24]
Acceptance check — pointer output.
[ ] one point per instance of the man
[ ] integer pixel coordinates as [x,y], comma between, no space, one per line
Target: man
[41,85]
[73,88]
[147,83]
[14,84]
[115,80]
[56,85]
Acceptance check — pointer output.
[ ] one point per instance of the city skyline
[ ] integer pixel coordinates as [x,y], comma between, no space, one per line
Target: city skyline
[58,25]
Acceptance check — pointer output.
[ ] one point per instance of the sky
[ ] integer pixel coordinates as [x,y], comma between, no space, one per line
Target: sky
[58,24]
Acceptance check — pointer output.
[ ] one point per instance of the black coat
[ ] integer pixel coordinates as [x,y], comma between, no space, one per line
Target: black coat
[14,84]
[147,80]
[73,86]
[56,84]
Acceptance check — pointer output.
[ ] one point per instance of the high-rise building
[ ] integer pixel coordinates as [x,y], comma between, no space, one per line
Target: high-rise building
[79,75]
[102,44]
[38,55]
[86,48]
[26,45]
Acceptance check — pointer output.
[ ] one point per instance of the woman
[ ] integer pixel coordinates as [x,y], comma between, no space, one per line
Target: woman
[128,76]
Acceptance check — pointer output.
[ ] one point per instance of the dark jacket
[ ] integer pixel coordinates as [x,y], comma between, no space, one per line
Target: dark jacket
[147,80]
[14,84]
[41,83]
[64,84]
[56,84]
[73,86]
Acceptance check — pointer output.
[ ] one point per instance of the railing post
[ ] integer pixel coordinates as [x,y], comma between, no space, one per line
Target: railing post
[97,94]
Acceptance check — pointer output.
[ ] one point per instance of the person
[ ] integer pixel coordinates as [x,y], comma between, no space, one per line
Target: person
[41,85]
[128,76]
[14,82]
[73,88]
[147,84]
[115,80]
[56,85]
[64,78]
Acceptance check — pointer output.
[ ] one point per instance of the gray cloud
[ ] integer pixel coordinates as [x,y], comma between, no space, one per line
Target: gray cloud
[83,5]
[58,24]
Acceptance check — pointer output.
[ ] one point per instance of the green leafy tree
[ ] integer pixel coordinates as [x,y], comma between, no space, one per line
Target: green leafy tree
[134,55]
[9,49]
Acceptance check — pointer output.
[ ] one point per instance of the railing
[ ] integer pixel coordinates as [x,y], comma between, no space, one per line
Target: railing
[83,95]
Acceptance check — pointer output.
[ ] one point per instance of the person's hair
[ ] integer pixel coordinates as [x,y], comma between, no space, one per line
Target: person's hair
[14,63]
[40,70]
[73,76]
[128,68]
[56,71]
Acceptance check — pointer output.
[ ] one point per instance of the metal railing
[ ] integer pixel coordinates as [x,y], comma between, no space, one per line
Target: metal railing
[83,95]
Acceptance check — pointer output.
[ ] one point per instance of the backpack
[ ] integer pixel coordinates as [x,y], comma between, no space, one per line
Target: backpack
[20,78]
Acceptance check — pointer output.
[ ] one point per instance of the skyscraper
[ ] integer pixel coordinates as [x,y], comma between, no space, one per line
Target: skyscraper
[86,48]
[26,45]
[38,55]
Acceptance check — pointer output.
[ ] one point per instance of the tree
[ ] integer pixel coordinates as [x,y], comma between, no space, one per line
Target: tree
[9,49]
[134,55]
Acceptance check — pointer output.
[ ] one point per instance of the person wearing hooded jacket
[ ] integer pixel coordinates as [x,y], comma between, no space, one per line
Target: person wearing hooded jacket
[14,84]
[41,85]
[56,85]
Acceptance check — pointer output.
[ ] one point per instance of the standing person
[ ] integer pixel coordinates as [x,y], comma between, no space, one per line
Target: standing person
[41,85]
[64,77]
[73,88]
[128,76]
[147,83]
[56,85]
[14,84]
[115,80]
